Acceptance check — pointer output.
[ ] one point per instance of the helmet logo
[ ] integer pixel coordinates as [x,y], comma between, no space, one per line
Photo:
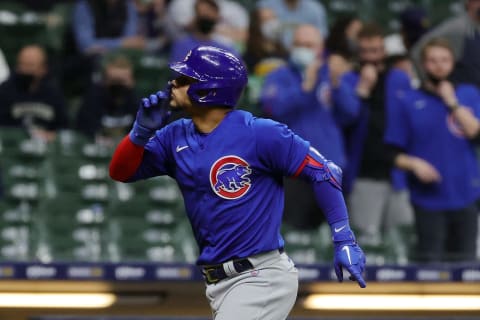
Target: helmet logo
[229,177]
[187,56]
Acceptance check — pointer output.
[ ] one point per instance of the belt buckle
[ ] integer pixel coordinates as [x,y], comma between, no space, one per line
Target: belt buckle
[208,276]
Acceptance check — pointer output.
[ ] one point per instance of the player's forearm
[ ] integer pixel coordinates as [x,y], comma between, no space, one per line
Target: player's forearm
[330,199]
[126,160]
[331,202]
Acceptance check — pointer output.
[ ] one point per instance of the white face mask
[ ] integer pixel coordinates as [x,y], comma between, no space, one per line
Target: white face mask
[302,56]
[271,29]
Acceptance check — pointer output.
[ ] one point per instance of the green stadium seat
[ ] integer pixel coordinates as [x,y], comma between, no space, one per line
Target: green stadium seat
[305,246]
[15,242]
[69,143]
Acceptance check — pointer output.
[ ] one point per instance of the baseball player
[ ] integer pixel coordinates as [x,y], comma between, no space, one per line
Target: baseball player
[229,166]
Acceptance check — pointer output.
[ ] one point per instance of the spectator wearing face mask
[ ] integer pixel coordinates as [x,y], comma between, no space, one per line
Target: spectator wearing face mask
[109,106]
[299,95]
[463,32]
[264,51]
[377,196]
[30,98]
[200,31]
[231,29]
[434,138]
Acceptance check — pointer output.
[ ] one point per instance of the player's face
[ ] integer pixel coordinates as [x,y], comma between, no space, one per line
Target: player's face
[179,98]
[438,62]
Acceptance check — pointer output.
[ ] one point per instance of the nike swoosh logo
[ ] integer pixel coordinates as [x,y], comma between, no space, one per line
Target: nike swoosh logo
[178,149]
[340,229]
[347,249]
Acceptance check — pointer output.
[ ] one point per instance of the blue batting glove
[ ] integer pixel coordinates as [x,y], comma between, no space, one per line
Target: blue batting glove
[347,254]
[151,116]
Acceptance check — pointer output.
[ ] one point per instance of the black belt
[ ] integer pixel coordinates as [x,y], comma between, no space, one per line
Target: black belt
[216,273]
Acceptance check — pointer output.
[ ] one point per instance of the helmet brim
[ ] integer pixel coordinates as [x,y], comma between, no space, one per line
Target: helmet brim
[184,69]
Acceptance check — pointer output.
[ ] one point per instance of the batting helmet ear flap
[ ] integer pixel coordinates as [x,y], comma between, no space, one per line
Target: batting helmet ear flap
[221,76]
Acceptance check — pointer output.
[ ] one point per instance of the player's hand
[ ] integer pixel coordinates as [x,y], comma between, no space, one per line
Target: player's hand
[152,115]
[347,253]
[350,256]
[153,112]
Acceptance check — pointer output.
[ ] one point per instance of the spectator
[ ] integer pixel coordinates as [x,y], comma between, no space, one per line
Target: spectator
[30,98]
[231,29]
[264,50]
[463,33]
[200,31]
[109,107]
[294,12]
[342,38]
[377,202]
[437,124]
[298,94]
[341,46]
[103,25]
[155,25]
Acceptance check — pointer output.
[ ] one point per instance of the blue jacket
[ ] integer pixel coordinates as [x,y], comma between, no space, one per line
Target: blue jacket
[309,114]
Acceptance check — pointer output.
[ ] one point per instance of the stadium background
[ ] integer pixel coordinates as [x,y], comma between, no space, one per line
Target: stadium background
[67,229]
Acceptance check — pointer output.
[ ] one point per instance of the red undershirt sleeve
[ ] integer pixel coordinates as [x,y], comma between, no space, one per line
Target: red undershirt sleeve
[126,160]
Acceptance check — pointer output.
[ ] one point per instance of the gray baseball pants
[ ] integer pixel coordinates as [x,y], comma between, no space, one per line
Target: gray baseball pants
[266,292]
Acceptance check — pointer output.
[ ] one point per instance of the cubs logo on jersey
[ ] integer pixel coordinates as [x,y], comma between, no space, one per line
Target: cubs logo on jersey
[229,177]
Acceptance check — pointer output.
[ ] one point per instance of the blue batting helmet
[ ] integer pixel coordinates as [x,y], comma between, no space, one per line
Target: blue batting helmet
[220,75]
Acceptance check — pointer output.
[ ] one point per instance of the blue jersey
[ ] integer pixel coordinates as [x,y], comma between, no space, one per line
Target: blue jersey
[231,180]
[425,129]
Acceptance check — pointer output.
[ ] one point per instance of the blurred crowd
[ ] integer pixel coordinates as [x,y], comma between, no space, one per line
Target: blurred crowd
[397,111]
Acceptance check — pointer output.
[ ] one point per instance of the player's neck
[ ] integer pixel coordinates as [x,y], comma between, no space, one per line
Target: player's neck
[207,119]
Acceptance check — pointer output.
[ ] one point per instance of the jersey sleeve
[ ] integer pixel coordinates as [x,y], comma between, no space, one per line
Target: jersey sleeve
[278,148]
[156,158]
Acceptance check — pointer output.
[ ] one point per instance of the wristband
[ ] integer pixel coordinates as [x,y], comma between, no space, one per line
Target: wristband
[140,135]
[341,232]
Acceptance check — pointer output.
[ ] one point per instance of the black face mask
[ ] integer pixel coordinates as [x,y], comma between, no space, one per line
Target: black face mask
[118,93]
[433,79]
[205,25]
[478,13]
[23,81]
